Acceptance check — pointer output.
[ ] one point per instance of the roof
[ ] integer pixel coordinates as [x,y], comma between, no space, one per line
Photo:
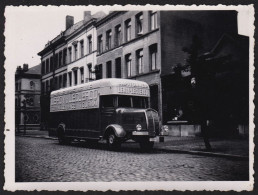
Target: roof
[34,70]
[61,37]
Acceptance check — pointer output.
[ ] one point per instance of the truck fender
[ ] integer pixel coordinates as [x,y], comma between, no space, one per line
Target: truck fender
[118,130]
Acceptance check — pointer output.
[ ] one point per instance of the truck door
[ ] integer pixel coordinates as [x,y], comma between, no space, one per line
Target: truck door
[107,111]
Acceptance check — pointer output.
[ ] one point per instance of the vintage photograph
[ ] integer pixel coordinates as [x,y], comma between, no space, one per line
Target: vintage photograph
[153,95]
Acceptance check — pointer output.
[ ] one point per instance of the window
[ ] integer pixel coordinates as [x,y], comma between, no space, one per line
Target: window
[118,35]
[65,56]
[60,82]
[153,56]
[64,80]
[100,44]
[56,61]
[108,39]
[128,61]
[139,56]
[82,74]
[43,68]
[69,55]
[51,63]
[89,44]
[32,85]
[56,82]
[98,71]
[75,52]
[47,86]
[108,101]
[51,84]
[82,48]
[47,66]
[118,68]
[60,59]
[139,19]
[153,20]
[75,77]
[109,69]
[90,71]
[70,78]
[128,30]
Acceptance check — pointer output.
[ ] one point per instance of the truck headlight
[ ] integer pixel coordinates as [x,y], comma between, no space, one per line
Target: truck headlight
[165,128]
[138,127]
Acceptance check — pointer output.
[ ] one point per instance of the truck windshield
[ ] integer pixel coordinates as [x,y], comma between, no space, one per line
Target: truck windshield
[132,101]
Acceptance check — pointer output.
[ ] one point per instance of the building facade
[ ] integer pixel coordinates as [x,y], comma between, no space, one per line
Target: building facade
[69,59]
[150,46]
[27,97]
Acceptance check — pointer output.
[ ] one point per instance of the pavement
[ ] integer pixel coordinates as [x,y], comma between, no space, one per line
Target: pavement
[237,148]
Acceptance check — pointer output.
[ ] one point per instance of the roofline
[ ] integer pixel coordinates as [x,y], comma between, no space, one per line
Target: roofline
[109,16]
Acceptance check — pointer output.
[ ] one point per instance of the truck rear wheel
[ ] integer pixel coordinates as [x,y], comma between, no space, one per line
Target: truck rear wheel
[146,145]
[113,141]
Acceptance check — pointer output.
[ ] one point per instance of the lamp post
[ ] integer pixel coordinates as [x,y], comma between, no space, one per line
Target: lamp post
[25,116]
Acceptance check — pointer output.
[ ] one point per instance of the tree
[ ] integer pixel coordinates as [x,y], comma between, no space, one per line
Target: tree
[200,85]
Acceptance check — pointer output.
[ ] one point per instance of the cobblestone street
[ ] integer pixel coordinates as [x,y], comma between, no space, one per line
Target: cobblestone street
[44,160]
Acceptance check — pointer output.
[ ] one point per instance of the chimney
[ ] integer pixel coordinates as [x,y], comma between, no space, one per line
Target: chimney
[69,21]
[25,67]
[86,15]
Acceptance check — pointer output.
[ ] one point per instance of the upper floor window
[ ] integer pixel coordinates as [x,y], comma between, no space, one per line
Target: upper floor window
[153,20]
[139,58]
[32,85]
[64,80]
[89,44]
[139,23]
[43,67]
[70,78]
[60,82]
[75,77]
[64,56]
[75,52]
[98,72]
[82,48]
[69,55]
[128,30]
[100,44]
[153,56]
[108,39]
[60,59]
[109,69]
[47,65]
[51,63]
[128,62]
[118,37]
[82,74]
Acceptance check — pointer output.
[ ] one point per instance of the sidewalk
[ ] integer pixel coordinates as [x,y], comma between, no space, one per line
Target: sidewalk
[229,148]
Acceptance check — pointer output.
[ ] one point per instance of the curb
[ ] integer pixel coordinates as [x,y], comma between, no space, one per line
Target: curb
[213,154]
[38,136]
[201,153]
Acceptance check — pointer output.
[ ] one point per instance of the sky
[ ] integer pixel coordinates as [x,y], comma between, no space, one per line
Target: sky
[28,29]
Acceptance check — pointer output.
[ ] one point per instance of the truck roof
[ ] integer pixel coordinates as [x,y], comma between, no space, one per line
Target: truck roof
[106,86]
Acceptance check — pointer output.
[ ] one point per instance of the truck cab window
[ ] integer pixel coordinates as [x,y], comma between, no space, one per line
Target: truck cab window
[124,101]
[108,101]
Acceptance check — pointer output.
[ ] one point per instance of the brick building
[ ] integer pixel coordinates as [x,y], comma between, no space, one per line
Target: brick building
[148,45]
[27,97]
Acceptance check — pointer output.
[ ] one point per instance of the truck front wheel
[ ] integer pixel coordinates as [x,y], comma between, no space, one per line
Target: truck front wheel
[113,141]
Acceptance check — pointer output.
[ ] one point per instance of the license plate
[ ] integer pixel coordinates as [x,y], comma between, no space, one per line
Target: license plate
[154,139]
